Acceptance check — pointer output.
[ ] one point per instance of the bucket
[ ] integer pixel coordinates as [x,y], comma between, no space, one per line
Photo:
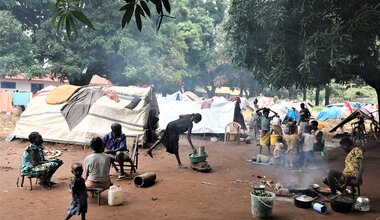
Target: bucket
[115,195]
[273,139]
[261,207]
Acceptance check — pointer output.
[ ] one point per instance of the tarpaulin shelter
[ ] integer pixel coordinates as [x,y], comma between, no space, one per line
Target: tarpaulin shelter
[97,113]
[214,118]
[338,111]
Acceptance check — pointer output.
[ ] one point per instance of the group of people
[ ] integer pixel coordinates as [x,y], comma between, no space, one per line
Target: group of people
[295,145]
[112,147]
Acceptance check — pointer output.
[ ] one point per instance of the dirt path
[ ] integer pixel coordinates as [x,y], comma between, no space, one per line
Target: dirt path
[177,194]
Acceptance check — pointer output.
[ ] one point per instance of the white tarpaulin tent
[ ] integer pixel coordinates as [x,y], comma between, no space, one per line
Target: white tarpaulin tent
[49,121]
[214,119]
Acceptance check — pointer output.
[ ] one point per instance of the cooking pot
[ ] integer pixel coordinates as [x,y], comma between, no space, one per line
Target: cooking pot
[297,189]
[303,201]
[362,204]
[342,203]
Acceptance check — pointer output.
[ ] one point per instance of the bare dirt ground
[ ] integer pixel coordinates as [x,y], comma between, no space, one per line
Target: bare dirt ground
[178,193]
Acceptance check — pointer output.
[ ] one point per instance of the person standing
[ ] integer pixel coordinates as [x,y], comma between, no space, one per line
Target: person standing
[78,202]
[304,118]
[170,137]
[265,128]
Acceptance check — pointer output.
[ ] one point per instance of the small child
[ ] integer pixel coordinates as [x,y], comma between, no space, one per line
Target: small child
[279,152]
[78,203]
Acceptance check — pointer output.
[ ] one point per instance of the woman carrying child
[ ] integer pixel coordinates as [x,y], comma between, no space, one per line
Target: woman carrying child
[291,140]
[78,203]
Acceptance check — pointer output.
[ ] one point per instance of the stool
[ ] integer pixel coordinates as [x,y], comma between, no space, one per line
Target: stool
[95,192]
[30,177]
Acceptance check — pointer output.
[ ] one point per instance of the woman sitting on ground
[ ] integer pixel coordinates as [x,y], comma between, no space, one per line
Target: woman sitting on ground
[97,166]
[34,162]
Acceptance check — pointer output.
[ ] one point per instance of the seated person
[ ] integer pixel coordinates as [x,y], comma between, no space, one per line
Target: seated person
[319,138]
[115,143]
[353,170]
[97,166]
[35,164]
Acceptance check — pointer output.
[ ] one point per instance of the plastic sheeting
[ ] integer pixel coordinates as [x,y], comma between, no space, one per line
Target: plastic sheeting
[5,101]
[214,119]
[50,123]
[21,98]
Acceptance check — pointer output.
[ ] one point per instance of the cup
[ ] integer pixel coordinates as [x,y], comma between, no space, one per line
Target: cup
[321,208]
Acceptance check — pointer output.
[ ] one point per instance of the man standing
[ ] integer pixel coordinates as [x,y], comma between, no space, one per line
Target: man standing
[116,146]
[304,118]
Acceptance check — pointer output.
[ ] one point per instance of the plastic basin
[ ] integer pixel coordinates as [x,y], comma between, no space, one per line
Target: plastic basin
[196,159]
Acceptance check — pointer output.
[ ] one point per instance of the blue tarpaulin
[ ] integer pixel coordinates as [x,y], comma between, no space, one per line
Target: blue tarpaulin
[330,112]
[20,98]
[293,114]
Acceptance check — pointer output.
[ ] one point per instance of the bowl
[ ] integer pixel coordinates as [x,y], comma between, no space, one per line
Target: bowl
[194,158]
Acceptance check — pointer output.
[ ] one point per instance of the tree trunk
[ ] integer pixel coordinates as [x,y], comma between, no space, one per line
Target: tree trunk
[304,95]
[327,94]
[317,93]
[292,93]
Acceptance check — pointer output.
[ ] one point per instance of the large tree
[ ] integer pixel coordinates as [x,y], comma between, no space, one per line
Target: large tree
[306,43]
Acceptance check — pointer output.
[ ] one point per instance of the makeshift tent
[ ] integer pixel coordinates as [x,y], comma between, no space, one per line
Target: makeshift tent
[100,113]
[214,119]
[338,111]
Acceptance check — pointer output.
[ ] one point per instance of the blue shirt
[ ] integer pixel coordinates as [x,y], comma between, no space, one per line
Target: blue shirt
[119,143]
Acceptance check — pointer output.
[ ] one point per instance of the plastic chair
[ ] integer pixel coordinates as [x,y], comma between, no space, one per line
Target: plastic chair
[133,155]
[232,129]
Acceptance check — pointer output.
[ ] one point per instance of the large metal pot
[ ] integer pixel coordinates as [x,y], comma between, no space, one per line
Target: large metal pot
[342,203]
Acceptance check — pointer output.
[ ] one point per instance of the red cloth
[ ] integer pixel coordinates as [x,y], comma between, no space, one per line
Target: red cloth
[207,103]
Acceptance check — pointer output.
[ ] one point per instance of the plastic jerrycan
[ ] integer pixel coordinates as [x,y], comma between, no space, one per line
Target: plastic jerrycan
[115,195]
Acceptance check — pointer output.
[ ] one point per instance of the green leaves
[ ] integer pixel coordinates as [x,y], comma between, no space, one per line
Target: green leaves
[67,12]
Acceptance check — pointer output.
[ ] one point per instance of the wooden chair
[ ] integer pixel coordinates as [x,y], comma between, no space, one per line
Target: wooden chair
[232,129]
[133,155]
[22,177]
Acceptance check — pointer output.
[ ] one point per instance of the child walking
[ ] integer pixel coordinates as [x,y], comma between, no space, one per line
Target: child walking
[78,203]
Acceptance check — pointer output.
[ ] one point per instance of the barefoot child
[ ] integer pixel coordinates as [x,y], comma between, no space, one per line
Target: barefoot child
[279,152]
[78,203]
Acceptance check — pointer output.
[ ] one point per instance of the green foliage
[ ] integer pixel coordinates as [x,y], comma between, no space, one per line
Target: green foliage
[67,12]
[16,49]
[306,43]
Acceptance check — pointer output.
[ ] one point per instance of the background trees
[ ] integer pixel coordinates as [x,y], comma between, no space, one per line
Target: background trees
[306,43]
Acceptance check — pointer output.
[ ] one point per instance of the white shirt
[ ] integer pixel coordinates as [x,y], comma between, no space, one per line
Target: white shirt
[308,142]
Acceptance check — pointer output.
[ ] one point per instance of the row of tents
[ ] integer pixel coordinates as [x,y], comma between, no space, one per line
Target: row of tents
[72,114]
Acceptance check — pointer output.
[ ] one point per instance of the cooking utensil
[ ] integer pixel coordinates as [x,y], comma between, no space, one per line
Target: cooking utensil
[305,200]
[342,203]
[297,189]
[314,186]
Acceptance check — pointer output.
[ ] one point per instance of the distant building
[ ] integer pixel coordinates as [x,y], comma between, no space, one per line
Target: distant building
[19,83]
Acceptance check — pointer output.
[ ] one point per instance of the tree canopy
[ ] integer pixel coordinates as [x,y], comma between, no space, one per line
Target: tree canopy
[306,43]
